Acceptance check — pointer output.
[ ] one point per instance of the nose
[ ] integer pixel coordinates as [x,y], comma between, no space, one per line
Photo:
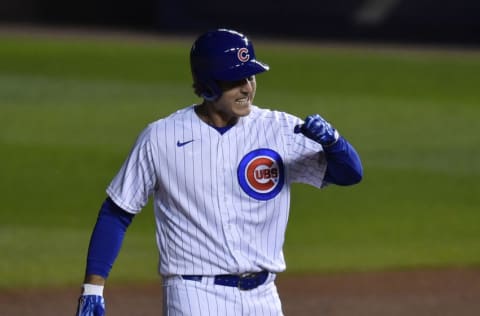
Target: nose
[246,85]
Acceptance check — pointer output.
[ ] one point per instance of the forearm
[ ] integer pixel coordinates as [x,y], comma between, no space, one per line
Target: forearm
[106,241]
[344,166]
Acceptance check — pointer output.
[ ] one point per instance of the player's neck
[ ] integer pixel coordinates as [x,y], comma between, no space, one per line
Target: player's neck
[208,114]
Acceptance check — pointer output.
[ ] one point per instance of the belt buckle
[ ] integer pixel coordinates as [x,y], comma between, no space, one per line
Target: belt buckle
[245,281]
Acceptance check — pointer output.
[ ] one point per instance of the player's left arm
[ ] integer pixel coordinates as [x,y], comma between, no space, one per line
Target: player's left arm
[344,166]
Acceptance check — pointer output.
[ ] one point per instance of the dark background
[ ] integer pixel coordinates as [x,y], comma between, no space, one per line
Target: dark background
[414,21]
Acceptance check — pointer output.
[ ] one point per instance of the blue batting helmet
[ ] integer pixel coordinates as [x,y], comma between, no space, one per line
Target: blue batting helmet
[222,55]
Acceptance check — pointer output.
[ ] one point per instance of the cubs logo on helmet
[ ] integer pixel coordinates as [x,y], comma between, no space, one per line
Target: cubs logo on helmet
[243,54]
[261,174]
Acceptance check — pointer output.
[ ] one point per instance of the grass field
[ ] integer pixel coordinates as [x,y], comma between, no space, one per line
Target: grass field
[71,108]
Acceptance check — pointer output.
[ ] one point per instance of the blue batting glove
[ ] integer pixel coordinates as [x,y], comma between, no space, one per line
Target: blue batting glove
[91,305]
[319,130]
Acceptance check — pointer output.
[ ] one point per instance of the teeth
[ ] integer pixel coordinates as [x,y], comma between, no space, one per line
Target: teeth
[245,100]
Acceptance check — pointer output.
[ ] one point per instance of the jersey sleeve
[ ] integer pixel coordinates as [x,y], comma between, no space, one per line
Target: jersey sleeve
[132,186]
[306,159]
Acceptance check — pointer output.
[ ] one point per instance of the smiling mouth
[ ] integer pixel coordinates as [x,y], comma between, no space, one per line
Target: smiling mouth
[243,101]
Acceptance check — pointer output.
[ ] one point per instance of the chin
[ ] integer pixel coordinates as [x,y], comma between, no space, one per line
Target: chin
[244,111]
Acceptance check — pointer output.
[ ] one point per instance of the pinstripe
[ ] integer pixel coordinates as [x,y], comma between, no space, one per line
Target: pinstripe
[267,223]
[174,179]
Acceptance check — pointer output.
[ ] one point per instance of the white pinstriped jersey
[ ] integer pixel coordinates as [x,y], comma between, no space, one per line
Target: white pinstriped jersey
[221,201]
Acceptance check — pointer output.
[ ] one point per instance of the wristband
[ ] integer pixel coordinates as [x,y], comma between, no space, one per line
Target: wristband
[92,289]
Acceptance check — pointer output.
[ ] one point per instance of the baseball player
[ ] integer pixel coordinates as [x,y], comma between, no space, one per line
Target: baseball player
[220,174]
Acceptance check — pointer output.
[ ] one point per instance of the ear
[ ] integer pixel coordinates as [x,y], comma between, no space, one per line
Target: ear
[208,94]
[210,91]
[204,91]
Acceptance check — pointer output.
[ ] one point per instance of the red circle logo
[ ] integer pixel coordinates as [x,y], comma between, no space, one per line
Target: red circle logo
[262,174]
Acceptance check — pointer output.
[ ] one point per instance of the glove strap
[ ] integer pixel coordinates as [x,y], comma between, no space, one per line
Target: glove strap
[336,138]
[92,289]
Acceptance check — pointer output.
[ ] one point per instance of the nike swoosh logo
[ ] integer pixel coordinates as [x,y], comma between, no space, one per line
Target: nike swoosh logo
[181,144]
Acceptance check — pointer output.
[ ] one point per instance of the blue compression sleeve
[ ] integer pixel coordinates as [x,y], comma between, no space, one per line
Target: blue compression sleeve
[107,238]
[343,164]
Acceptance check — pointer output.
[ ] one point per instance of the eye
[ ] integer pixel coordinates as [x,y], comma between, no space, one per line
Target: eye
[251,78]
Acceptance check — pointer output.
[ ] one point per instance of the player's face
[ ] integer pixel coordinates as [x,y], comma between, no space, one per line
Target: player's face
[237,97]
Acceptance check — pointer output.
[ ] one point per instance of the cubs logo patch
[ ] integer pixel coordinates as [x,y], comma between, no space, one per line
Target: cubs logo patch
[261,174]
[243,55]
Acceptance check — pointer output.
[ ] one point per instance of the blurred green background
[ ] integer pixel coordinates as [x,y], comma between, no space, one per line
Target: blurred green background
[70,108]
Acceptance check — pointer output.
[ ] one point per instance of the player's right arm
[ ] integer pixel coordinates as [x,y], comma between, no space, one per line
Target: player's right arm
[116,214]
[105,243]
